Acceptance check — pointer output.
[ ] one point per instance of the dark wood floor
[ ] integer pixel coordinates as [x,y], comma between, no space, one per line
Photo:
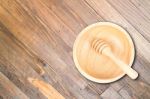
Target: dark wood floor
[36,40]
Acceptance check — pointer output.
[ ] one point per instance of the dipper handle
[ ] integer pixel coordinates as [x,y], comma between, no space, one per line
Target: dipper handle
[127,69]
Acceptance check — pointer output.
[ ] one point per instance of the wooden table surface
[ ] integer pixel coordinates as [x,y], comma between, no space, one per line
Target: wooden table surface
[36,40]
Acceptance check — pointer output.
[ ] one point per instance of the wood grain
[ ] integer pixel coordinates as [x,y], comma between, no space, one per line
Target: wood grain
[36,40]
[45,88]
[6,86]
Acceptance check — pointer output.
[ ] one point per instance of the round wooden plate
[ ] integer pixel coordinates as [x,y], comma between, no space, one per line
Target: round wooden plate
[97,67]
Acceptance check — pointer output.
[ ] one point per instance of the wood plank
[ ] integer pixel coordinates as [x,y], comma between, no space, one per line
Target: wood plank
[9,90]
[110,93]
[130,12]
[36,41]
[128,93]
[47,52]
[70,6]
[18,69]
[54,93]
[45,88]
[142,6]
[6,46]
[131,90]
[16,66]
[49,20]
[87,14]
[56,64]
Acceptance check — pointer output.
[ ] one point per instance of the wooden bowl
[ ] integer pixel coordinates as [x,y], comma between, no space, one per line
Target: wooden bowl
[97,67]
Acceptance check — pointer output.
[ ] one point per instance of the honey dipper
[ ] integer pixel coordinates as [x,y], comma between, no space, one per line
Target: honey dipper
[103,48]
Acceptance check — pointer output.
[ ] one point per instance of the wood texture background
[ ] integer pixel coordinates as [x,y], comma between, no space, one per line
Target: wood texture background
[36,40]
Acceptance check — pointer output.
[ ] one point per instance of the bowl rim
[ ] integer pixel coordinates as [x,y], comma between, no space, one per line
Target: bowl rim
[89,77]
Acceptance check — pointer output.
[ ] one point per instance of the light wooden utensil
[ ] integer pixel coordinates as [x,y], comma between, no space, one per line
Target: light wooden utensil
[102,47]
[104,52]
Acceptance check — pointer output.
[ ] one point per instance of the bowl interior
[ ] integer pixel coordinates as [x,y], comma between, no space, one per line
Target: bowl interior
[98,66]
